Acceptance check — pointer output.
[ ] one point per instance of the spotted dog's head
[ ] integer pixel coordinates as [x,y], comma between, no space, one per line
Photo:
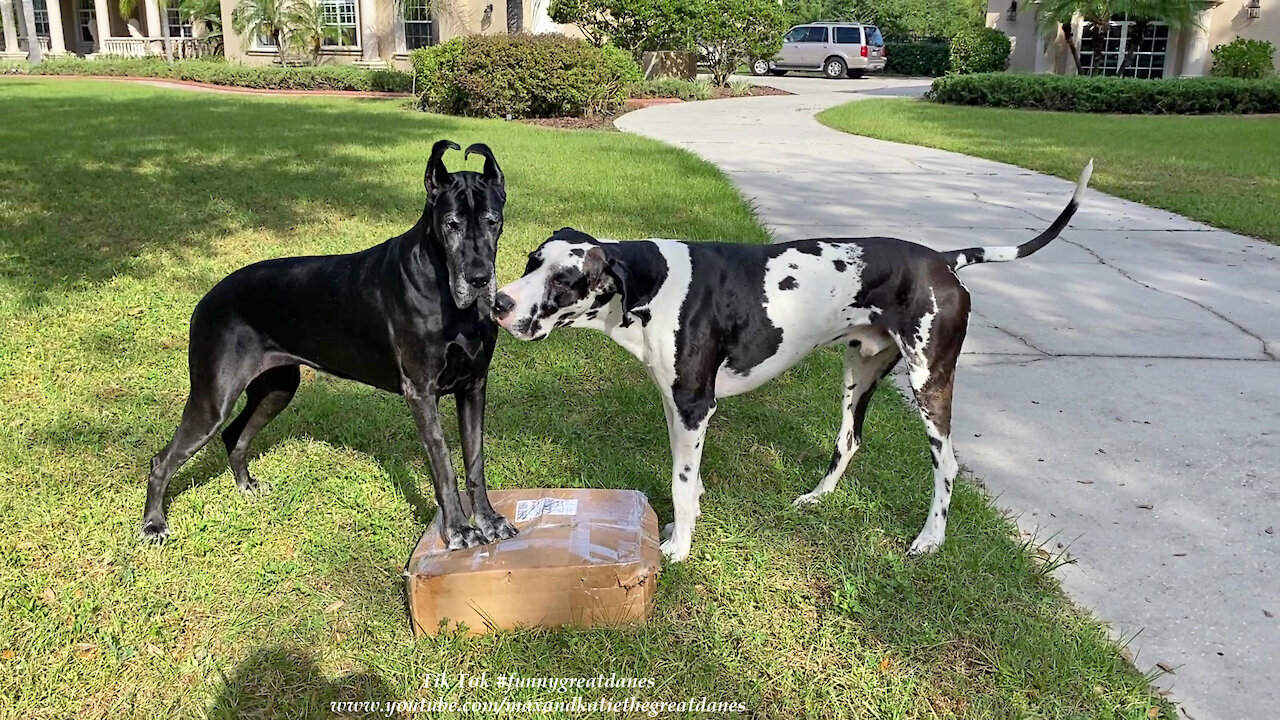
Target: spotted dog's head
[566,277]
[464,214]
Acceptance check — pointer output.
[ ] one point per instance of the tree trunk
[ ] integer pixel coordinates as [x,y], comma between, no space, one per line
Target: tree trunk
[34,53]
[1097,44]
[1132,45]
[164,33]
[279,37]
[1069,34]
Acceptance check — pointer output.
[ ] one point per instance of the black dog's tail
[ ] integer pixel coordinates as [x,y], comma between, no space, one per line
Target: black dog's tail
[1005,253]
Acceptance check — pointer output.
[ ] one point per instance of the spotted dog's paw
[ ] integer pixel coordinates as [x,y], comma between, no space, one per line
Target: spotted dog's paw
[495,527]
[809,498]
[675,551]
[464,536]
[154,531]
[927,544]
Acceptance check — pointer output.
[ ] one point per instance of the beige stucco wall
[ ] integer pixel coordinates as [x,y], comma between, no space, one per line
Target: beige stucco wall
[1230,21]
[454,17]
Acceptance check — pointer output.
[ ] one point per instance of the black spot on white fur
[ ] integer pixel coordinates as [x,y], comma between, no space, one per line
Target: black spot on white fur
[788,283]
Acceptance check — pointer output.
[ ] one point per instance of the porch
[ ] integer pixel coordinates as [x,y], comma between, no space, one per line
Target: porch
[91,28]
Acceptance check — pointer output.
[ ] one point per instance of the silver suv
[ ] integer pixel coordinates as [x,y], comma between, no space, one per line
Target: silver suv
[834,48]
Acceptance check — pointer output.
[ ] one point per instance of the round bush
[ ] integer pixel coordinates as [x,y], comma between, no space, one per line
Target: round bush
[1243,58]
[979,50]
[523,76]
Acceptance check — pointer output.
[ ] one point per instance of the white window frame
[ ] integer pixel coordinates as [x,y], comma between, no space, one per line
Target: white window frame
[420,7]
[40,10]
[333,10]
[1125,26]
[177,27]
[86,22]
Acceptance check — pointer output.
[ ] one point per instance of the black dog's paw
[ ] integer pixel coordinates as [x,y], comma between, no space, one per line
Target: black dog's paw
[465,536]
[495,527]
[154,531]
[254,487]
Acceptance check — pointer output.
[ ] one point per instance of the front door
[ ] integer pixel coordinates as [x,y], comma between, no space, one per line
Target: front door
[813,47]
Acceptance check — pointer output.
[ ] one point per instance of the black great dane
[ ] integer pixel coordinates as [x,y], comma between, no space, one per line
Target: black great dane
[410,316]
[711,320]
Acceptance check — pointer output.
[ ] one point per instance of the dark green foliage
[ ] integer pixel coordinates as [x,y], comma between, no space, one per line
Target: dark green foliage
[329,77]
[980,50]
[1075,93]
[1242,58]
[897,19]
[523,76]
[929,59]
[731,32]
[633,25]
[670,87]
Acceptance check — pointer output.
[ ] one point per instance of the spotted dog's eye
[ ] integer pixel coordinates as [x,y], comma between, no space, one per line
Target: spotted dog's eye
[557,284]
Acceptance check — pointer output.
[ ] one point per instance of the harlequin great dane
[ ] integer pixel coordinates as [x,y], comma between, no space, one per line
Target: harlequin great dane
[713,320]
[411,316]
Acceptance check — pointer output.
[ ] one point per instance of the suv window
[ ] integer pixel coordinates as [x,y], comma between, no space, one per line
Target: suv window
[848,36]
[810,35]
[873,35]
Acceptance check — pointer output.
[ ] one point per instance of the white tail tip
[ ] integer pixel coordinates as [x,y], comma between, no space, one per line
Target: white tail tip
[1084,180]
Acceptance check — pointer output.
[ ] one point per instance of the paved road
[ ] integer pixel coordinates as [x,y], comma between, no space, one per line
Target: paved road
[1120,391]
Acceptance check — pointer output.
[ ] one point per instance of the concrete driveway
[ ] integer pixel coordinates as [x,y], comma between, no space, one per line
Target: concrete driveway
[1119,393]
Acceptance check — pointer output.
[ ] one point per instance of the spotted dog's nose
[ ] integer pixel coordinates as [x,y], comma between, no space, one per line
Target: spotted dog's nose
[502,305]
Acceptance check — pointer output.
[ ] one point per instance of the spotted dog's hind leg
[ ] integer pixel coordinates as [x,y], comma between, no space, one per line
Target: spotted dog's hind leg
[861,374]
[931,358]
[686,475]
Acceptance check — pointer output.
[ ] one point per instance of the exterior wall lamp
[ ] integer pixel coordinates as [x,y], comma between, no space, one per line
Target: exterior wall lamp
[1012,13]
[1254,9]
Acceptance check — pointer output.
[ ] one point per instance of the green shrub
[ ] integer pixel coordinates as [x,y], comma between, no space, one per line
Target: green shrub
[980,50]
[670,87]
[929,59]
[732,32]
[329,77]
[1242,58]
[897,19]
[633,25]
[1075,93]
[524,76]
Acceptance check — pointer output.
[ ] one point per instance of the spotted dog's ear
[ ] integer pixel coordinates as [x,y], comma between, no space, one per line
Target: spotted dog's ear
[596,267]
[437,176]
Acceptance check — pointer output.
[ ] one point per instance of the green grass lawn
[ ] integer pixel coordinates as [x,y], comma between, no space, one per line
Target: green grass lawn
[1220,170]
[120,205]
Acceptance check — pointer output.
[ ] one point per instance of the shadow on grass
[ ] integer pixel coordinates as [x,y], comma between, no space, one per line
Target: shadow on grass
[283,682]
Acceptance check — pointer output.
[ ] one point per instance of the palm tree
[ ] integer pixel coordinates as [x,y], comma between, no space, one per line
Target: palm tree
[128,6]
[1060,15]
[308,28]
[267,18]
[33,42]
[207,13]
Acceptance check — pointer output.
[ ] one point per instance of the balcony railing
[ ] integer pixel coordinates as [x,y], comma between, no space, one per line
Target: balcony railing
[183,47]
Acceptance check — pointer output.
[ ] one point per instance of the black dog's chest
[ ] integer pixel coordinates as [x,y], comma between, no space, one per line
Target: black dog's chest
[463,355]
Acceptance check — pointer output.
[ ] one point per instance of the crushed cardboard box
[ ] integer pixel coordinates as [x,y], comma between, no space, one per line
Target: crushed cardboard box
[583,558]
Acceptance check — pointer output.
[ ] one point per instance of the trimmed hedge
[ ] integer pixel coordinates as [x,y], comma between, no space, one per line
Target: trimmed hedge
[523,76]
[980,50]
[929,59]
[1075,93]
[328,77]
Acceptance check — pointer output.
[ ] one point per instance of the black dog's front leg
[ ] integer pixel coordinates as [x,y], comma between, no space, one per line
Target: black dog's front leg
[454,529]
[471,427]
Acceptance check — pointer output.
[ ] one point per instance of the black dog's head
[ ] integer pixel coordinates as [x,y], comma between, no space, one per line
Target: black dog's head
[464,214]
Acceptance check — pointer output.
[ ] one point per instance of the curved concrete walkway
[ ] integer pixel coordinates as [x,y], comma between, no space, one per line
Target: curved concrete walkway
[1120,391]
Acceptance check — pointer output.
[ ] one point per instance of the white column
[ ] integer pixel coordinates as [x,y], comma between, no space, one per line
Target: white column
[103,20]
[57,41]
[1043,63]
[1195,62]
[153,22]
[370,31]
[10,26]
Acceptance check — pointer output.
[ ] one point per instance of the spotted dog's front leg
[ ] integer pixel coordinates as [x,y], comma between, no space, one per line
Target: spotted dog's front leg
[687,422]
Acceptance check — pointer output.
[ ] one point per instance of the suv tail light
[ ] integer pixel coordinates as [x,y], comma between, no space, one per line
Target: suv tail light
[884,51]
[863,51]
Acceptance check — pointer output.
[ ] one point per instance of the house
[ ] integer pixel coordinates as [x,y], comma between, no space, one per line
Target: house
[1163,52]
[374,33]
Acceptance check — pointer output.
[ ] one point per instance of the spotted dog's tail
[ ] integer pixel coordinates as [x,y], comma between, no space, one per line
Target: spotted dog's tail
[1005,253]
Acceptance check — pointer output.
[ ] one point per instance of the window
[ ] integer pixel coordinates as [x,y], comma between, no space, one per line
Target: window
[177,28]
[42,18]
[1149,50]
[848,36]
[340,19]
[85,20]
[418,28]
[874,38]
[814,35]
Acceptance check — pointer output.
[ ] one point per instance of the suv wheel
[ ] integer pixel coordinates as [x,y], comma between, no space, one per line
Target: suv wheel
[834,68]
[760,67]
[855,74]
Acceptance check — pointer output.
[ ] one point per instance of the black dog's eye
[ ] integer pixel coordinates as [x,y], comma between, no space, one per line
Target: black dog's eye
[491,221]
[453,224]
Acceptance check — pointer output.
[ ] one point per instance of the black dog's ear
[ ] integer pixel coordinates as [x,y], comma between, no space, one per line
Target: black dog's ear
[492,172]
[437,176]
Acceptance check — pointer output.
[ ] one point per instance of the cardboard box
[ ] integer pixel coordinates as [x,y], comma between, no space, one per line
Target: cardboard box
[583,558]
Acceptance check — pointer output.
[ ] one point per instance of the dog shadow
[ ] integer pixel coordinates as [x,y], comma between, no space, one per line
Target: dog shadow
[285,682]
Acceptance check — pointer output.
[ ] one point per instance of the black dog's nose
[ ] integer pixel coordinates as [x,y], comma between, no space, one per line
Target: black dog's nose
[502,304]
[477,281]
